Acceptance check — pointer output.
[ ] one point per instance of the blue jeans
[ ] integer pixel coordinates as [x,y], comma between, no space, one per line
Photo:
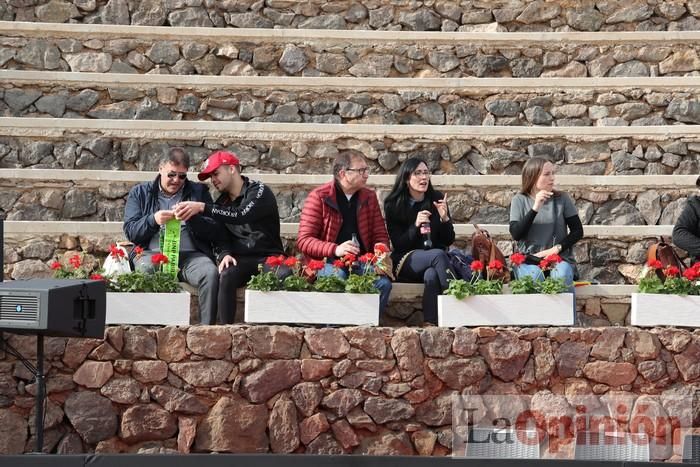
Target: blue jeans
[562,270]
[383,283]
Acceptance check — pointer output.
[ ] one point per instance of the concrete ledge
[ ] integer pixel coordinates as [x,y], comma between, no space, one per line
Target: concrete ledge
[198,130]
[289,229]
[471,85]
[511,39]
[86,177]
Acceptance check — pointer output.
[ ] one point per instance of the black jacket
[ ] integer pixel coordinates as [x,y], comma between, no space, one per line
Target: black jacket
[252,222]
[140,225]
[686,232]
[405,236]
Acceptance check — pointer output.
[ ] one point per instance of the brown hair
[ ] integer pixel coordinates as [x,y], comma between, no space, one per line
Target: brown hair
[531,173]
[343,159]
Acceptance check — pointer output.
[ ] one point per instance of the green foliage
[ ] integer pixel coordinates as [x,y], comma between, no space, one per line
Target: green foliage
[329,284]
[296,283]
[488,287]
[157,282]
[528,285]
[459,288]
[651,284]
[523,285]
[356,283]
[264,281]
[679,286]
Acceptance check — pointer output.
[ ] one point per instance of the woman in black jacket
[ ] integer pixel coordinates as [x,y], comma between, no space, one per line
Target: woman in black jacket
[686,232]
[420,229]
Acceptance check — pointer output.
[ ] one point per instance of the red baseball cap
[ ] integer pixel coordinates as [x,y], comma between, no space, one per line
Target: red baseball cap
[215,161]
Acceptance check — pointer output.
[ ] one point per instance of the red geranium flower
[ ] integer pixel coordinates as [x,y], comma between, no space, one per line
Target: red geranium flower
[55,265]
[517,258]
[316,265]
[159,258]
[544,264]
[367,258]
[691,274]
[380,248]
[349,259]
[554,259]
[338,263]
[138,250]
[654,264]
[97,277]
[476,266]
[115,252]
[274,261]
[291,261]
[496,265]
[672,271]
[75,261]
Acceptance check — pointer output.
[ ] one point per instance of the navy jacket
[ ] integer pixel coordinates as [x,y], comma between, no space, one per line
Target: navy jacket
[140,225]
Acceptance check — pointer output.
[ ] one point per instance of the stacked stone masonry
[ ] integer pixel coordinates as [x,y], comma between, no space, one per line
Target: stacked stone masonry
[301,57]
[626,107]
[277,389]
[413,15]
[298,152]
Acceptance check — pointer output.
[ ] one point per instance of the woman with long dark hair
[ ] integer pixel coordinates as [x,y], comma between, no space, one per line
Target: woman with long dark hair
[544,222]
[420,229]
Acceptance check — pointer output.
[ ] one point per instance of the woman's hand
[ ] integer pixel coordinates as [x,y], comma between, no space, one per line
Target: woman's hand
[423,216]
[555,250]
[441,207]
[540,198]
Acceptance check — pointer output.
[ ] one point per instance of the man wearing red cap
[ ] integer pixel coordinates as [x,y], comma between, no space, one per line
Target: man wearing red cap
[343,217]
[248,210]
[150,205]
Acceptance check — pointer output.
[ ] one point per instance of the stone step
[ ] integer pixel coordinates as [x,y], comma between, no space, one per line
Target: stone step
[434,101]
[307,148]
[231,51]
[611,254]
[368,14]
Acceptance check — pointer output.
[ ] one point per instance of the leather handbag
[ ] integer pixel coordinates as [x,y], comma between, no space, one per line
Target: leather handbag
[663,251]
[485,250]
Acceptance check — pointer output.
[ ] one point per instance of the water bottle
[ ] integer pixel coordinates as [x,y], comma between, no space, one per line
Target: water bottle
[425,232]
[355,241]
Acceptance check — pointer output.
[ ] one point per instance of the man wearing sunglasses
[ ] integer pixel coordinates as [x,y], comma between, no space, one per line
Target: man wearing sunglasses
[343,217]
[151,204]
[247,209]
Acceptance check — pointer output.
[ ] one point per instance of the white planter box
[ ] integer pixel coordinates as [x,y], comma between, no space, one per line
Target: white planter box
[506,310]
[311,308]
[171,309]
[665,310]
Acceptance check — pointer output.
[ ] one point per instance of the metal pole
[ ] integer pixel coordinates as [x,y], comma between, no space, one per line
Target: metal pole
[40,393]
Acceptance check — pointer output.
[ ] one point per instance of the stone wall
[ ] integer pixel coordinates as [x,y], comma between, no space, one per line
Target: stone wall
[323,391]
[243,57]
[429,15]
[631,106]
[312,154]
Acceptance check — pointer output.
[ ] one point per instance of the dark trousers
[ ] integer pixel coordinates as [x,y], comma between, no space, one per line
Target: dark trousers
[429,267]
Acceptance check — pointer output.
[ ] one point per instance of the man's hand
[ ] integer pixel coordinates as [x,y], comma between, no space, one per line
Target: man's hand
[163,216]
[185,210]
[227,261]
[345,248]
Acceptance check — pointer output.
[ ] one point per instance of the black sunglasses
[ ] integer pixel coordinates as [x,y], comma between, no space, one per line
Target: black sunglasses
[180,175]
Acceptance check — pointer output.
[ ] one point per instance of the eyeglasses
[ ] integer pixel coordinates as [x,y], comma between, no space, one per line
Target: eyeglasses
[362,171]
[180,175]
[421,173]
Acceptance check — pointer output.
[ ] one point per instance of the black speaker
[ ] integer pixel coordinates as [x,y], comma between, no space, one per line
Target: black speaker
[53,307]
